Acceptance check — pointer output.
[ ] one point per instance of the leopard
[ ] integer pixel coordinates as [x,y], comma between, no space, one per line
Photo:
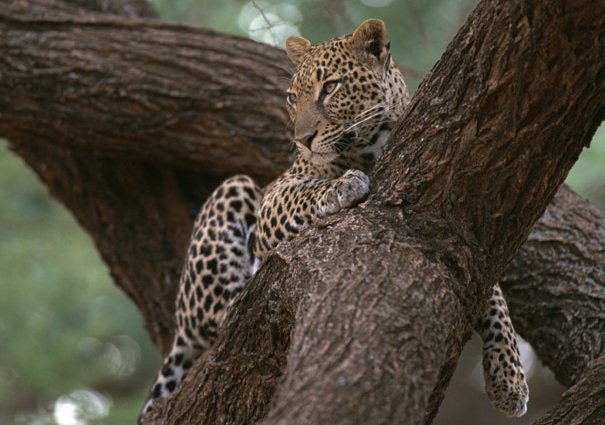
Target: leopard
[218,265]
[345,97]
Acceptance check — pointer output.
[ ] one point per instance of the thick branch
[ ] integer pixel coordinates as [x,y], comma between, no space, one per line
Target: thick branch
[519,89]
[555,286]
[125,8]
[141,88]
[582,404]
[418,289]
[135,126]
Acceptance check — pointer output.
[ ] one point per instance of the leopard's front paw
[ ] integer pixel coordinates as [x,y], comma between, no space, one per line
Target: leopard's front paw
[344,192]
[353,186]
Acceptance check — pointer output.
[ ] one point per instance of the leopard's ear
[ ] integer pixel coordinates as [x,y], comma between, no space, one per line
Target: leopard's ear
[371,38]
[296,47]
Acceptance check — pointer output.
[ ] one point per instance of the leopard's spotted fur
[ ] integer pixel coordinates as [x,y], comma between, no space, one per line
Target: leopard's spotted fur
[218,265]
[344,99]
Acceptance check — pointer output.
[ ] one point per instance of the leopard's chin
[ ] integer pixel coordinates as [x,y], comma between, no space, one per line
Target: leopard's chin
[319,158]
[323,158]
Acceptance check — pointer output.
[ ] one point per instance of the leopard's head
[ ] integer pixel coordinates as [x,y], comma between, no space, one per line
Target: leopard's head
[343,90]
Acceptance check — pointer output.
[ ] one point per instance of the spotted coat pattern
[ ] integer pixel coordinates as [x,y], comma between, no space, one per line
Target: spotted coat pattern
[505,382]
[344,99]
[218,265]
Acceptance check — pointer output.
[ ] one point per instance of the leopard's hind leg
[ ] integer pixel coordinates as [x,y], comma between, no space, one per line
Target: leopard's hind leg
[219,262]
[505,382]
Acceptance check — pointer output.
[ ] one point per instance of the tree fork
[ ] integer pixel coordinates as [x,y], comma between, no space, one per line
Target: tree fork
[505,148]
[119,160]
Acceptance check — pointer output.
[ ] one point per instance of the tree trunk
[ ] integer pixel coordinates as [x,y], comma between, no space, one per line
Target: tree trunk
[145,118]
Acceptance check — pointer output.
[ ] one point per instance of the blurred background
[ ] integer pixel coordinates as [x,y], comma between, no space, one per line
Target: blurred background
[73,347]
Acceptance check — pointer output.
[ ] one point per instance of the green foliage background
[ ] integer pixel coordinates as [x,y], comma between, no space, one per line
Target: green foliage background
[63,325]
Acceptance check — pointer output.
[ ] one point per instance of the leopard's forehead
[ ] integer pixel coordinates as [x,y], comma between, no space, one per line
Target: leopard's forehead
[332,58]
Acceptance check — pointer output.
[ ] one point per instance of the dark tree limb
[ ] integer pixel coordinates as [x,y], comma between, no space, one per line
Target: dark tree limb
[385,319]
[131,152]
[582,404]
[555,286]
[135,126]
[125,8]
[154,91]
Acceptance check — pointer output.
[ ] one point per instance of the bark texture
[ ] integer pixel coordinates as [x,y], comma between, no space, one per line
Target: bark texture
[506,148]
[582,404]
[134,128]
[555,286]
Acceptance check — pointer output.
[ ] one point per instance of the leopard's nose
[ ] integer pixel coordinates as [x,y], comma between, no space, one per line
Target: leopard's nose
[306,139]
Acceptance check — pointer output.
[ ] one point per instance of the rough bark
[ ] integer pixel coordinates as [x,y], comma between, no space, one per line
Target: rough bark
[159,134]
[154,91]
[135,126]
[582,404]
[555,286]
[365,327]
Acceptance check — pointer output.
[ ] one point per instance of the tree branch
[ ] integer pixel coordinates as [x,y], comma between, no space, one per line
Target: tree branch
[555,286]
[135,126]
[385,319]
[141,88]
[582,404]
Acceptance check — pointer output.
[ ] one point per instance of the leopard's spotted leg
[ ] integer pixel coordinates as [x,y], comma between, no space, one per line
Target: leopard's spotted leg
[219,262]
[293,203]
[173,371]
[505,382]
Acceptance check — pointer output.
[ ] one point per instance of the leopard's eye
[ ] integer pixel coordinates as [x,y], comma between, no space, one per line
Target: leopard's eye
[291,99]
[330,87]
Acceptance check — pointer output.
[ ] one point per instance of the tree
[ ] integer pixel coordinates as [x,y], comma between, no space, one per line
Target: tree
[144,125]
